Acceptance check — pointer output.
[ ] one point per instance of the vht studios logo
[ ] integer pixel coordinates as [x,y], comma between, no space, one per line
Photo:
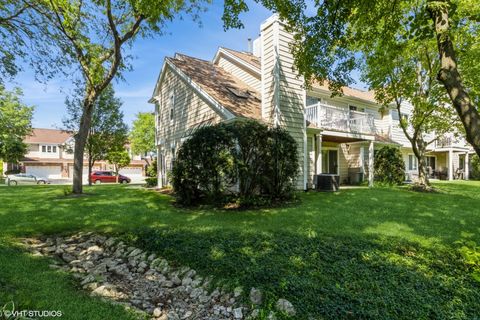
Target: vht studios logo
[8,312]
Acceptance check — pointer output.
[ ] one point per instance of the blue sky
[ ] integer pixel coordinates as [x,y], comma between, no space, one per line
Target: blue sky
[183,36]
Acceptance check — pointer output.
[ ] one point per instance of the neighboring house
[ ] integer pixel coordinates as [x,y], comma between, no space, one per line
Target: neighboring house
[334,135]
[50,156]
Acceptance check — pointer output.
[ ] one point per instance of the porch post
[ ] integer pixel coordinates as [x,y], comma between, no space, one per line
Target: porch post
[159,167]
[467,168]
[318,168]
[370,164]
[450,164]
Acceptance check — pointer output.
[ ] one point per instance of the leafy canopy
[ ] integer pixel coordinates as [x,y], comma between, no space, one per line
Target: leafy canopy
[142,136]
[15,125]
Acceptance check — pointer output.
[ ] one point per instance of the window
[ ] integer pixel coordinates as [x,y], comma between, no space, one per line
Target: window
[395,116]
[44,148]
[355,108]
[330,161]
[412,162]
[49,149]
[172,105]
[311,101]
[54,149]
[430,162]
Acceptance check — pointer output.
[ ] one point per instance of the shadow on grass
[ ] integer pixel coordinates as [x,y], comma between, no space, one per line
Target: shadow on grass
[328,277]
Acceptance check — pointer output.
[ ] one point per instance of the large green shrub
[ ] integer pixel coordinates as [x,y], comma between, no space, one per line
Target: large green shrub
[281,164]
[389,167]
[204,165]
[475,168]
[245,158]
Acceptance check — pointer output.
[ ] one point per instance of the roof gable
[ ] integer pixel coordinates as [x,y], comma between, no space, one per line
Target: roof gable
[48,136]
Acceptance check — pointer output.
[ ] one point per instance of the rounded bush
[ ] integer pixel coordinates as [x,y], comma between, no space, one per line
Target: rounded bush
[388,166]
[244,158]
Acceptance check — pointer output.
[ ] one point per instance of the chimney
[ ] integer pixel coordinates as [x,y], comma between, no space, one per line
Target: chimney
[250,45]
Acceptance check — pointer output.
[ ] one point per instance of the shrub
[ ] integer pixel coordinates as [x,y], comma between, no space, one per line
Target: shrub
[151,182]
[204,166]
[262,161]
[281,165]
[152,169]
[475,168]
[389,167]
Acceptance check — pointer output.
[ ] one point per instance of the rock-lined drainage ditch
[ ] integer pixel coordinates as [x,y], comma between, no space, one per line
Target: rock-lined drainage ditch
[144,282]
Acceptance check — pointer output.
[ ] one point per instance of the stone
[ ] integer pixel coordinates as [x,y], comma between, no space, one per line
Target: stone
[186,281]
[110,242]
[157,312]
[255,296]
[68,257]
[167,284]
[135,252]
[151,257]
[285,306]
[237,313]
[187,314]
[176,280]
[237,292]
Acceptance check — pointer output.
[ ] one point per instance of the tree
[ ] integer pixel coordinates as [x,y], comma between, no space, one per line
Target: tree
[330,43]
[15,125]
[107,132]
[142,136]
[93,36]
[119,158]
[405,72]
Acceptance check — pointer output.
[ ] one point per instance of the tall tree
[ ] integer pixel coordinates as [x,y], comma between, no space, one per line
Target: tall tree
[15,125]
[406,75]
[142,136]
[94,35]
[331,38]
[119,158]
[107,131]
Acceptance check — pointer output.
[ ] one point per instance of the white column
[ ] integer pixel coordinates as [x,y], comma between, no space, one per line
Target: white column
[318,169]
[370,164]
[467,168]
[450,164]
[159,167]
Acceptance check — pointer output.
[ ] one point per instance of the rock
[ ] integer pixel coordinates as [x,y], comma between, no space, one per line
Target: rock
[151,257]
[89,278]
[110,242]
[196,293]
[68,257]
[286,306]
[94,249]
[167,284]
[187,314]
[176,280]
[255,296]
[186,281]
[135,252]
[271,316]
[157,312]
[237,292]
[237,313]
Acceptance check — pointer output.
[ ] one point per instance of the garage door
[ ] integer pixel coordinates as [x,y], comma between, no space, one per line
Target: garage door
[85,171]
[131,171]
[50,172]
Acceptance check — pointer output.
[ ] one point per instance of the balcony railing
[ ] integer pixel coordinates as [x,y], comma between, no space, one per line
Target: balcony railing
[340,119]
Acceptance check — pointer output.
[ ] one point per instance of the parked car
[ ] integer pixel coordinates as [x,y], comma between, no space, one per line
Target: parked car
[25,178]
[98,177]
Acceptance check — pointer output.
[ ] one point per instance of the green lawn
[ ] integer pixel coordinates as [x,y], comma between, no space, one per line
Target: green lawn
[356,254]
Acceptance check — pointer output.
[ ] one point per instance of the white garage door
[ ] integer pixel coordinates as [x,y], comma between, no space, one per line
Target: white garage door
[85,171]
[50,172]
[131,171]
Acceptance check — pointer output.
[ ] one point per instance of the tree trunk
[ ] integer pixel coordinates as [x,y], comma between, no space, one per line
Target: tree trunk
[449,75]
[80,141]
[419,151]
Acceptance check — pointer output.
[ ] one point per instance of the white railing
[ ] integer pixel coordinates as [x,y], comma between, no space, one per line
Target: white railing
[340,119]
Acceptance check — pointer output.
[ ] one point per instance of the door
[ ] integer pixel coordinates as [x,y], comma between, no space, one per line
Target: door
[330,161]
[49,172]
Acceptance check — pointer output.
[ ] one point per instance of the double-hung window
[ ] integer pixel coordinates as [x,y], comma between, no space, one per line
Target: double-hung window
[412,162]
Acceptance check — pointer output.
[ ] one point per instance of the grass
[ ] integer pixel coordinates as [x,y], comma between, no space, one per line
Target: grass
[357,254]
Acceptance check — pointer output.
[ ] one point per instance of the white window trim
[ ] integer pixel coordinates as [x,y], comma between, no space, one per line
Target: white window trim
[326,160]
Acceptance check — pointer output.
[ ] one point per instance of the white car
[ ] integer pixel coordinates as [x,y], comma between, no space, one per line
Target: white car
[24,178]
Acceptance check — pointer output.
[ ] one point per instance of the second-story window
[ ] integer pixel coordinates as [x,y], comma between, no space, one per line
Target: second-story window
[49,149]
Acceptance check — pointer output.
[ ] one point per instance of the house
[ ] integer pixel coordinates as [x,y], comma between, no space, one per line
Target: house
[335,135]
[50,155]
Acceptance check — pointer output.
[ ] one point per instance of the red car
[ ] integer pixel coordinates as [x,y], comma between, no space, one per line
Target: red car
[98,177]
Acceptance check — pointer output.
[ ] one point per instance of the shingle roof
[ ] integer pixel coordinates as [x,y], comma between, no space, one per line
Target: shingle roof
[245,56]
[49,136]
[349,92]
[233,94]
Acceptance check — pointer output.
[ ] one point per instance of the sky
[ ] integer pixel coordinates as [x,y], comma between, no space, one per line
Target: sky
[181,35]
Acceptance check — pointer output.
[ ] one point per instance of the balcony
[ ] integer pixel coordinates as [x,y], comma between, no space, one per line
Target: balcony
[340,119]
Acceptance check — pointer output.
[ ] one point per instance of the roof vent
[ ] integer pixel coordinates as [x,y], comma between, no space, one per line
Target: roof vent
[239,93]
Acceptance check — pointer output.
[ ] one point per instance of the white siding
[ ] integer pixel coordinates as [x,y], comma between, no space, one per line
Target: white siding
[240,72]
